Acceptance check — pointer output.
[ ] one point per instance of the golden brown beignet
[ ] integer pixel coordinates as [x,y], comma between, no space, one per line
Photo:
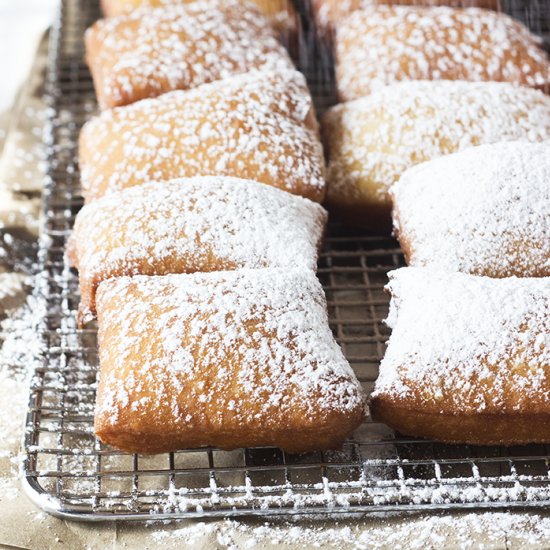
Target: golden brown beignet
[186,225]
[484,211]
[371,141]
[227,359]
[149,52]
[327,13]
[382,45]
[468,360]
[259,126]
[280,13]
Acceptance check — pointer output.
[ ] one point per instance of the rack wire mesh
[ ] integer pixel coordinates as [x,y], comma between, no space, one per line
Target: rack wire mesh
[69,473]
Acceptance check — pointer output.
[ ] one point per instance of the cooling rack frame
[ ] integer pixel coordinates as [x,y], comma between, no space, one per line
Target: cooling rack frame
[71,475]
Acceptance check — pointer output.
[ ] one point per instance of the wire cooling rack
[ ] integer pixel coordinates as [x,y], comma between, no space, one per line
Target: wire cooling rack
[69,473]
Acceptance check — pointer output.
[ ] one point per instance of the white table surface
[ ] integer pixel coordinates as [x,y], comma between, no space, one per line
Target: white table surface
[22,22]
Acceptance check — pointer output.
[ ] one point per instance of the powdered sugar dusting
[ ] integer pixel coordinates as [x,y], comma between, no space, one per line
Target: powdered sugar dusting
[149,52]
[492,349]
[280,13]
[485,211]
[244,348]
[198,224]
[432,44]
[373,140]
[257,126]
[328,13]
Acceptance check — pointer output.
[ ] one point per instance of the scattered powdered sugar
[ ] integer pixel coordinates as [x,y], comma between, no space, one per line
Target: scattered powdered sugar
[492,349]
[438,43]
[248,347]
[10,284]
[256,126]
[373,140]
[9,489]
[149,52]
[485,210]
[20,347]
[199,224]
[463,531]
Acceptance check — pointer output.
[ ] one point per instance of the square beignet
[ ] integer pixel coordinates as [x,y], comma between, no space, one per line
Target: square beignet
[280,13]
[484,211]
[152,51]
[228,359]
[468,360]
[371,141]
[382,45]
[258,126]
[186,225]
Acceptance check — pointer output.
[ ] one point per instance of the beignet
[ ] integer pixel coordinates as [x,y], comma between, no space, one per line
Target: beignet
[187,225]
[385,44]
[227,359]
[484,211]
[280,13]
[149,52]
[258,126]
[327,13]
[468,360]
[371,141]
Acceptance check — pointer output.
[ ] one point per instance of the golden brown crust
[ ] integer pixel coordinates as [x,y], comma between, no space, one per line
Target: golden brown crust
[150,52]
[471,429]
[227,360]
[259,126]
[293,436]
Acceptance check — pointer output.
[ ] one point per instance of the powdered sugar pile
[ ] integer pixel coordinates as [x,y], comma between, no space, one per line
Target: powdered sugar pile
[384,44]
[199,224]
[257,126]
[474,343]
[373,140]
[270,323]
[485,211]
[149,52]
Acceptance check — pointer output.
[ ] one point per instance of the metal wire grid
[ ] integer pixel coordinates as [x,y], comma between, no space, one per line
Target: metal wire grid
[69,473]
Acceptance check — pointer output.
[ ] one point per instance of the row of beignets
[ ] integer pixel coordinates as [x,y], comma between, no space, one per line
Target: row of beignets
[212,326]
[136,144]
[423,82]
[442,97]
[468,360]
